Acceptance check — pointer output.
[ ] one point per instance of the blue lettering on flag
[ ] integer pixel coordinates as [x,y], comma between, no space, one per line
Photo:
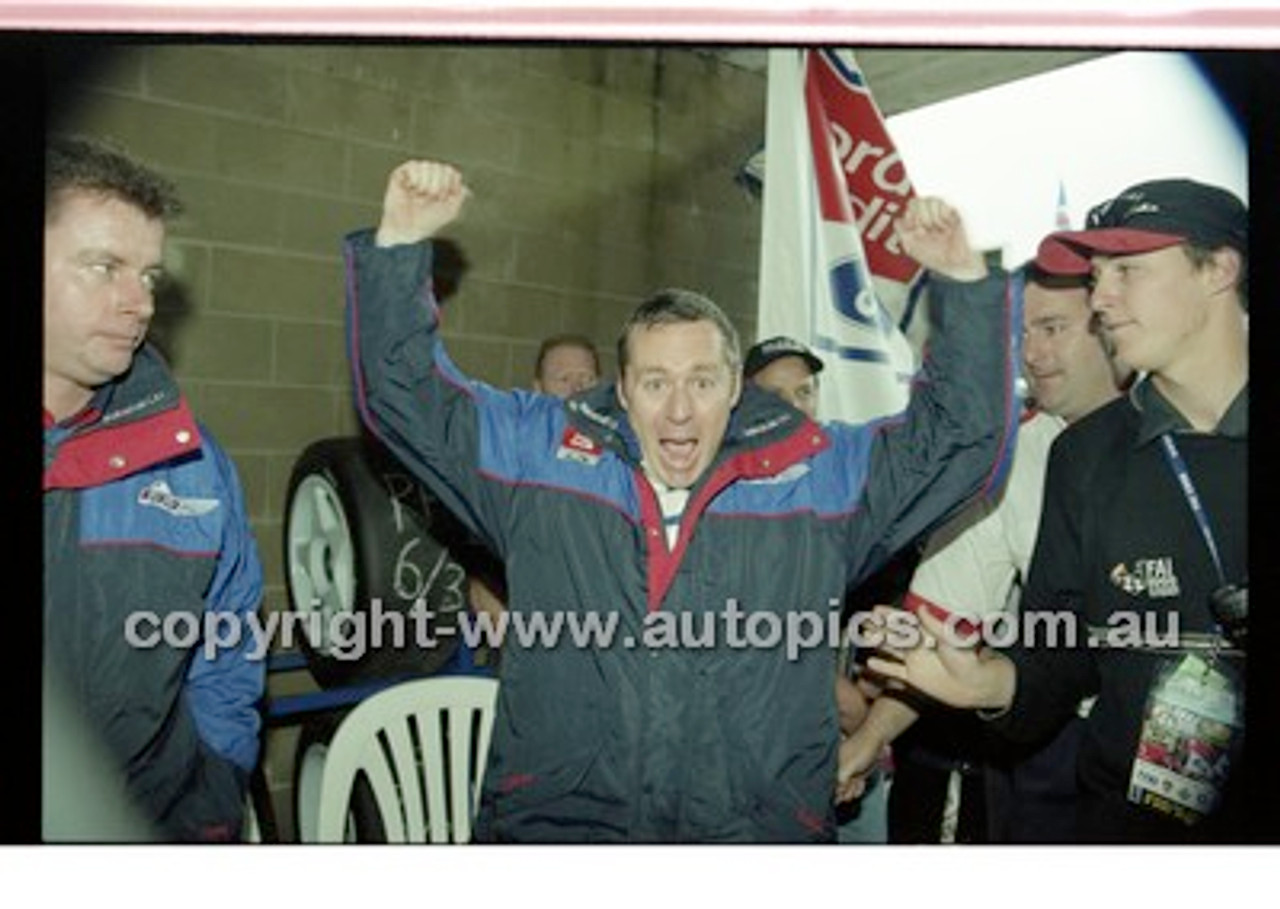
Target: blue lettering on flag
[842,69]
[863,354]
[853,299]
[859,354]
[846,291]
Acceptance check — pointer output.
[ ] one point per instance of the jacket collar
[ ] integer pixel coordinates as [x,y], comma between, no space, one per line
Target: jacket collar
[147,388]
[1157,416]
[760,423]
[144,420]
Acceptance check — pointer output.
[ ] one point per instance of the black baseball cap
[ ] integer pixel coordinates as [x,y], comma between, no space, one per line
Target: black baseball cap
[765,352]
[1146,217]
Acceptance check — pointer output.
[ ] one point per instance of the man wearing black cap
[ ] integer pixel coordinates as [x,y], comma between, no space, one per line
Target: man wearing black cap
[785,367]
[1142,548]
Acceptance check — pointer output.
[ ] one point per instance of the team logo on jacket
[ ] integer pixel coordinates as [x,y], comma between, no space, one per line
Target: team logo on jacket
[157,494]
[580,447]
[1154,578]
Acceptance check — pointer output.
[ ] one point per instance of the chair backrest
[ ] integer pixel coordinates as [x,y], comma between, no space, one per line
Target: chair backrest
[250,830]
[422,745]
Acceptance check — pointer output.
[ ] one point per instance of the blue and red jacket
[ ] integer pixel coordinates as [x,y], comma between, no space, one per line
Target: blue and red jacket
[143,513]
[634,740]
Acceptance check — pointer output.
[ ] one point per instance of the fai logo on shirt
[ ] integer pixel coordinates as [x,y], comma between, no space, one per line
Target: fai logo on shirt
[158,495]
[577,446]
[1153,577]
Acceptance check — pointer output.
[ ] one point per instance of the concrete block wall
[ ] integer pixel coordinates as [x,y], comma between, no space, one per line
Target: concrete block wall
[599,175]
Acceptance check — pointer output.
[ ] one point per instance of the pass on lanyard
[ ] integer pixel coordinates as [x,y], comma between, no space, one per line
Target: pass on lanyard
[1179,468]
[1190,738]
[1192,727]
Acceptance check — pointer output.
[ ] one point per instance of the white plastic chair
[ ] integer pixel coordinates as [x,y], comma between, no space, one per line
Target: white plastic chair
[422,745]
[250,830]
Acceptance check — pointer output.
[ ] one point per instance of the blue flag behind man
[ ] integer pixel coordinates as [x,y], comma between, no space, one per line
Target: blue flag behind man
[831,272]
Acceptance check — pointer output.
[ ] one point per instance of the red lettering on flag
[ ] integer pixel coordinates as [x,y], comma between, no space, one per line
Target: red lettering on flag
[849,140]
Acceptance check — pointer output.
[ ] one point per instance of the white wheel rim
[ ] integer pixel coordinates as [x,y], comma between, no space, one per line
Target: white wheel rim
[321,559]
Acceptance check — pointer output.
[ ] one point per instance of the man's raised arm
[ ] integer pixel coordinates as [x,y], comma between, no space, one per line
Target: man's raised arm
[408,392]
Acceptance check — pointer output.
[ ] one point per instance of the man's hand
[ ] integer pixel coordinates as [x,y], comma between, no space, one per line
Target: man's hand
[932,233]
[421,198]
[962,676]
[861,751]
[482,599]
[851,704]
[858,756]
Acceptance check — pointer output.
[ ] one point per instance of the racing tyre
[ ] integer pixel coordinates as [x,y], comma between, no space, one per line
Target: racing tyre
[359,556]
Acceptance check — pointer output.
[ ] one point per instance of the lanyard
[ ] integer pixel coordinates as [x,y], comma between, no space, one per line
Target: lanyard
[1179,467]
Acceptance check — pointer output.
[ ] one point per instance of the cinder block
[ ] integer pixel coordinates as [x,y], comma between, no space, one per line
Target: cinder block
[279,469]
[368,167]
[267,418]
[417,69]
[738,96]
[482,78]
[602,317]
[536,313]
[628,122]
[684,75]
[465,138]
[508,200]
[317,226]
[346,421]
[626,273]
[485,360]
[309,353]
[222,210]
[550,155]
[588,65]
[252,470]
[175,140]
[487,253]
[555,261]
[308,288]
[633,72]
[342,106]
[268,533]
[282,158]
[213,78]
[206,345]
[186,266]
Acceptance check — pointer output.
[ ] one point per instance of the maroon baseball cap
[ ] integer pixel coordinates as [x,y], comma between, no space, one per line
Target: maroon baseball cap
[1148,217]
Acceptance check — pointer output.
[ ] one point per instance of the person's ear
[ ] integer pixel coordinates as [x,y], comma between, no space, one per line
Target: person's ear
[621,392]
[1223,270]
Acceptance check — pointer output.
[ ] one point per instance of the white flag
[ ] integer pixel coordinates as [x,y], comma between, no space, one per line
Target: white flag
[831,273]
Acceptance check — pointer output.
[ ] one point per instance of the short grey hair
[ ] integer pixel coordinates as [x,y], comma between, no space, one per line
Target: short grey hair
[677,305]
[105,168]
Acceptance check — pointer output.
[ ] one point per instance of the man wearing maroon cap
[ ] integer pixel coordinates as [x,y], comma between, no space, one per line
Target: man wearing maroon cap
[952,781]
[1138,590]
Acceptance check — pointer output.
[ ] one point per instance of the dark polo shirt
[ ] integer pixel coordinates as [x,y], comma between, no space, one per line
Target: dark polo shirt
[1119,548]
